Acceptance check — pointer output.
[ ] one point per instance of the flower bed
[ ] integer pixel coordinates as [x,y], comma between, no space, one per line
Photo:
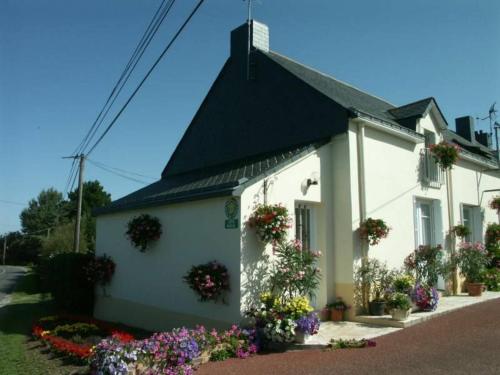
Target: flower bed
[75,336]
[176,352]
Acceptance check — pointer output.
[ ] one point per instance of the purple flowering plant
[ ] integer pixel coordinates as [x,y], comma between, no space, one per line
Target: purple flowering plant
[425,297]
[309,323]
[210,281]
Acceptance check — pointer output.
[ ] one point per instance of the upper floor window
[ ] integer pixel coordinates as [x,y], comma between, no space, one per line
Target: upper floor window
[430,172]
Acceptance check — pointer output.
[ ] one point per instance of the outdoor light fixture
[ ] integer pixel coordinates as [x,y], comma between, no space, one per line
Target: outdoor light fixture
[311,181]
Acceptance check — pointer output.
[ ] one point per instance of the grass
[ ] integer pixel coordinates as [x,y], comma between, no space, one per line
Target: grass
[18,353]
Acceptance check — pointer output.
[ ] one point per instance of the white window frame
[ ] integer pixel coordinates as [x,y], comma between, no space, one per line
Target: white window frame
[476,221]
[310,224]
[436,223]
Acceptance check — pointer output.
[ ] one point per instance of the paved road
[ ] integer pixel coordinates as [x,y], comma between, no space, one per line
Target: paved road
[8,277]
[466,341]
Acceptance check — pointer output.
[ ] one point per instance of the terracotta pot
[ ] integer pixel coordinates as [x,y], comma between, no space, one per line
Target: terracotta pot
[325,314]
[475,289]
[336,315]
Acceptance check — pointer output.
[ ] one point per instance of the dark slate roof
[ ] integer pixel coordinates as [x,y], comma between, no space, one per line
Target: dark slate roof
[415,109]
[220,181]
[474,147]
[340,92]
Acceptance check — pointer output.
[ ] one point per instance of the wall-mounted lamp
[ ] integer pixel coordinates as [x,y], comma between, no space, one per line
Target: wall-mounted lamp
[311,181]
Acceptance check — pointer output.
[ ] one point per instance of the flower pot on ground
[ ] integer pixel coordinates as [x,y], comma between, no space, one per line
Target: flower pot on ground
[472,258]
[325,314]
[337,309]
[300,336]
[377,307]
[475,289]
[425,297]
[399,305]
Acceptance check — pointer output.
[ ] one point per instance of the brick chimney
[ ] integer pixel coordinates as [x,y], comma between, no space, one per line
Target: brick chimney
[484,138]
[465,127]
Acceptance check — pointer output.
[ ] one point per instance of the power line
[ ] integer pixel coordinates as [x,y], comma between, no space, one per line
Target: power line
[193,12]
[119,174]
[141,47]
[70,177]
[12,202]
[121,170]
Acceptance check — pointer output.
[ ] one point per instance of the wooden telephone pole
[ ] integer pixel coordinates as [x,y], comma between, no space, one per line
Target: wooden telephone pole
[79,207]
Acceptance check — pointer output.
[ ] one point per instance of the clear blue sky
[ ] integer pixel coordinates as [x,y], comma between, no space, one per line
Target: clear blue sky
[59,60]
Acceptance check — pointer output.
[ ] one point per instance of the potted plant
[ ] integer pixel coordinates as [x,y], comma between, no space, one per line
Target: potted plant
[399,305]
[373,230]
[337,309]
[325,313]
[495,204]
[445,154]
[425,297]
[460,231]
[307,325]
[271,222]
[472,259]
[373,279]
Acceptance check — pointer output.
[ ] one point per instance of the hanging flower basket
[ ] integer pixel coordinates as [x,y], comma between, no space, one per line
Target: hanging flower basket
[210,281]
[460,231]
[495,204]
[373,230]
[445,154]
[142,230]
[271,222]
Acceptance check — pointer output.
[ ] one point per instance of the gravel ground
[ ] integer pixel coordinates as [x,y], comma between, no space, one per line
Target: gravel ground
[466,341]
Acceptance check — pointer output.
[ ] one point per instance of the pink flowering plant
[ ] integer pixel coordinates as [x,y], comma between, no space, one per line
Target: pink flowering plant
[271,222]
[295,272]
[142,230]
[176,352]
[472,258]
[210,281]
[426,264]
[445,154]
[100,270]
[373,230]
[425,297]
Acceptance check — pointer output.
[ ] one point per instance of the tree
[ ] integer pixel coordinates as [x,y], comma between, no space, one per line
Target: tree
[94,196]
[21,249]
[46,211]
[61,240]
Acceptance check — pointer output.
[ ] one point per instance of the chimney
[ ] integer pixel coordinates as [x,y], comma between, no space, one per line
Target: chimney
[483,138]
[258,35]
[465,127]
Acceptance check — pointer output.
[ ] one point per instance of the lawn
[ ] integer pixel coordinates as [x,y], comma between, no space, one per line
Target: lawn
[19,354]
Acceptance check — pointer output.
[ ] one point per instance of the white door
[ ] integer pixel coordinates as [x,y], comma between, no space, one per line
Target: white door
[425,223]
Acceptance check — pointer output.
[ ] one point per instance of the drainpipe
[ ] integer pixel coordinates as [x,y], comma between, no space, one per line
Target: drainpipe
[449,194]
[360,136]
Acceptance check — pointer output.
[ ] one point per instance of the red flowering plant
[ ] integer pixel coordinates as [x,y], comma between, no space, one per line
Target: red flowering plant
[75,336]
[271,222]
[373,230]
[445,154]
[100,270]
[210,281]
[142,230]
[495,204]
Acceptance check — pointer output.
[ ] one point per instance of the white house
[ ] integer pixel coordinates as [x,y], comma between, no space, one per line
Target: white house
[271,129]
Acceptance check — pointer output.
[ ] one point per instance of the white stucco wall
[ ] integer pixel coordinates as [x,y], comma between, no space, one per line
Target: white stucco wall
[150,283]
[286,186]
[392,184]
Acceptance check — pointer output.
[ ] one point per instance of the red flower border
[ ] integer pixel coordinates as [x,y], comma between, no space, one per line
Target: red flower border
[68,347]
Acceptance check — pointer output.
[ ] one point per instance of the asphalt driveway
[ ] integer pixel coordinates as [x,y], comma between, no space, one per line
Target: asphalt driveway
[8,278]
[466,341]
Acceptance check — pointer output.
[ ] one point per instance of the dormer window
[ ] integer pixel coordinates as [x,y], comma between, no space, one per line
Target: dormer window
[430,138]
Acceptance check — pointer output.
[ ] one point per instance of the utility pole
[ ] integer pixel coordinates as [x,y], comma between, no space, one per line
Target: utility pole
[4,249]
[79,209]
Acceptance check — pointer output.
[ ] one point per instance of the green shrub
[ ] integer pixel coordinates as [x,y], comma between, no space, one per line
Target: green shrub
[491,278]
[64,277]
[76,329]
[399,301]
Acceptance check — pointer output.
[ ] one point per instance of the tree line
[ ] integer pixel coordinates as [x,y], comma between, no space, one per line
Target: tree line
[48,223]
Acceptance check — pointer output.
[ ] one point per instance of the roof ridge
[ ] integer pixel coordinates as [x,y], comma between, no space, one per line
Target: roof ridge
[329,76]
[413,103]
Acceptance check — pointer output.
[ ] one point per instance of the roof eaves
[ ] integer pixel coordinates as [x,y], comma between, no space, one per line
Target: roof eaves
[396,128]
[193,195]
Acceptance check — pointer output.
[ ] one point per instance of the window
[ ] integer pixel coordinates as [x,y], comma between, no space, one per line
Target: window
[428,223]
[430,172]
[425,223]
[471,218]
[303,225]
